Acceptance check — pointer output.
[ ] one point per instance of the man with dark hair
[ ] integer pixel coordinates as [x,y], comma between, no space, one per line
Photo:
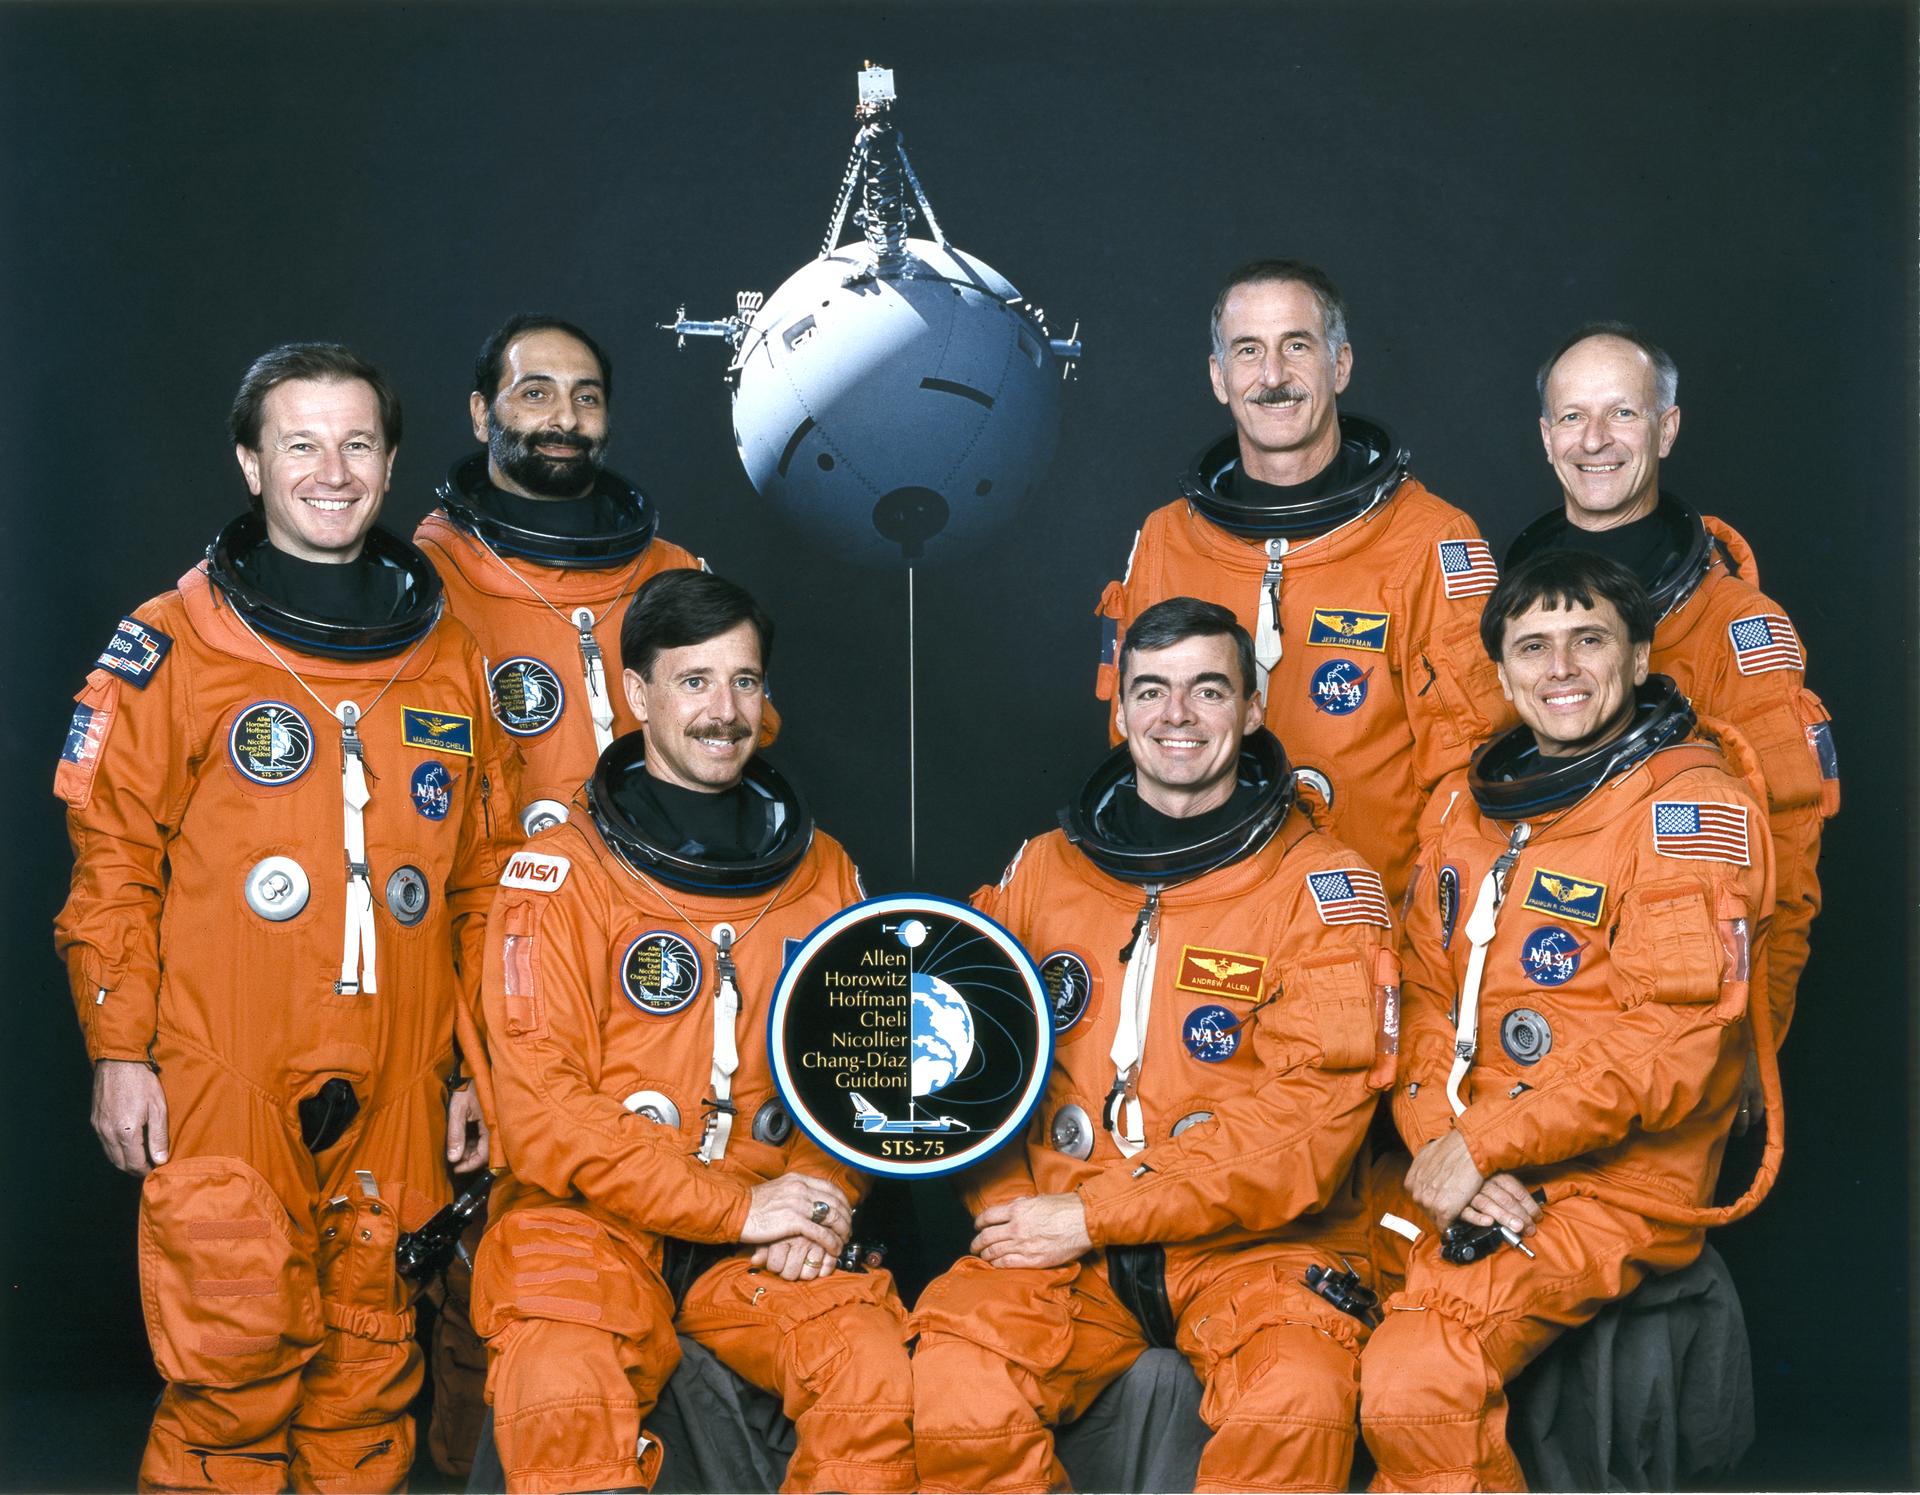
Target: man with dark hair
[1360,588]
[1223,978]
[280,784]
[1588,910]
[1608,416]
[540,545]
[656,1181]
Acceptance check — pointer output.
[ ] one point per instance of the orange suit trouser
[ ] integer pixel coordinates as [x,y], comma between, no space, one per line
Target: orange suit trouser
[580,1332]
[1433,1377]
[1006,1354]
[267,1278]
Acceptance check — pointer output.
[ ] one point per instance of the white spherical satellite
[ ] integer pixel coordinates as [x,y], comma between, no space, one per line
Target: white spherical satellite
[896,396]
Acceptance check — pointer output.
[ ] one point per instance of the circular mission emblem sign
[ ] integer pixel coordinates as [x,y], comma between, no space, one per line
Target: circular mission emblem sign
[910,1035]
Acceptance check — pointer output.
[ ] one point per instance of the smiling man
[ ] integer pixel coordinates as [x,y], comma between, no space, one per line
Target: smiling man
[1360,588]
[280,784]
[1220,973]
[1589,908]
[541,546]
[657,1182]
[1608,417]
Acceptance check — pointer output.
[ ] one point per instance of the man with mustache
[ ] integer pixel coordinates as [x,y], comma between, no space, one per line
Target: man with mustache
[539,547]
[1608,416]
[1361,589]
[657,1184]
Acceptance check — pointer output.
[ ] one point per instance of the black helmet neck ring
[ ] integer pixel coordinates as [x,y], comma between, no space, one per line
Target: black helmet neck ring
[1386,468]
[1263,766]
[330,638]
[1510,780]
[647,857]
[467,477]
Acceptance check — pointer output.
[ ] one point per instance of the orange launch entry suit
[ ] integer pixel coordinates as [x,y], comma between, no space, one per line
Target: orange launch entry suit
[1612,1028]
[266,1271]
[1381,686]
[1264,1045]
[600,989]
[533,650]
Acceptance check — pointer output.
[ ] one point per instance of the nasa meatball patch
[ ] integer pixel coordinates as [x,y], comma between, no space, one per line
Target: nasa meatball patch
[1211,1033]
[1339,687]
[1551,956]
[134,652]
[535,870]
[432,789]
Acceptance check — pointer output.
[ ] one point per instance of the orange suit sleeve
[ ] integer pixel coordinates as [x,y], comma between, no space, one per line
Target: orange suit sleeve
[544,1015]
[1427,992]
[1453,696]
[126,777]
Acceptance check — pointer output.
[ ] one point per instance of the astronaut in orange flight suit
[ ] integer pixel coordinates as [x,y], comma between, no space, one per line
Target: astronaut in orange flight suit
[1361,588]
[634,950]
[1221,973]
[273,936]
[1608,415]
[540,548]
[1588,912]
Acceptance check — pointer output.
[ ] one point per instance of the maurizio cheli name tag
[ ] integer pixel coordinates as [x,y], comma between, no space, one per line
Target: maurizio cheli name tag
[911,1035]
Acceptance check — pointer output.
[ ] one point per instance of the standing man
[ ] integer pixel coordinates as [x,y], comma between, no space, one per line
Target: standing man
[1361,589]
[657,1182]
[1588,909]
[1607,418]
[1222,976]
[540,547]
[286,800]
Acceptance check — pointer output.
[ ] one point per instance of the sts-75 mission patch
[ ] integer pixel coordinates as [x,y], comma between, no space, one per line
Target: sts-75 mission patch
[911,1035]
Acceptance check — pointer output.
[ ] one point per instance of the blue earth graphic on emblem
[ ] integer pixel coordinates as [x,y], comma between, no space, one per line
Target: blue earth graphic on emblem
[941,1026]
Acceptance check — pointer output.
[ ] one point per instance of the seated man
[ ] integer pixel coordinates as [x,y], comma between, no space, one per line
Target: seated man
[625,992]
[1589,903]
[1221,972]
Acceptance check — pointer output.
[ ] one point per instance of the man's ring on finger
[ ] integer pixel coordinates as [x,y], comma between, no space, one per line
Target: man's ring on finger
[821,1209]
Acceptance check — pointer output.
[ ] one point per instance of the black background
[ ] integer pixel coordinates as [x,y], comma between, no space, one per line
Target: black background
[183,186]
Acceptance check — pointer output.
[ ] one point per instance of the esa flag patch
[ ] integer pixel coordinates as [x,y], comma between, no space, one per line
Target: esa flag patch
[134,652]
[1467,569]
[1700,832]
[1353,896]
[1765,641]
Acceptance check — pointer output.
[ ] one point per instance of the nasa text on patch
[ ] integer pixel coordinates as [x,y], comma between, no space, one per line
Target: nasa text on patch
[536,870]
[1348,628]
[1765,641]
[444,731]
[134,652]
[1354,895]
[1709,832]
[1566,897]
[1221,973]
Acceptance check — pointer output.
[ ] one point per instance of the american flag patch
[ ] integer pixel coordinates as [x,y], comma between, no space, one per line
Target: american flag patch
[1766,641]
[1353,896]
[1700,832]
[1466,567]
